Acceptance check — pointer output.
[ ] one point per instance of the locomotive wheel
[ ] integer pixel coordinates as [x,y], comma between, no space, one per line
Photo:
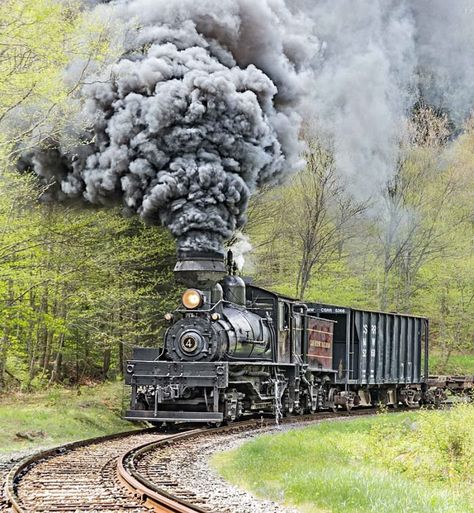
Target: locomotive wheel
[300,410]
[285,405]
[303,404]
[142,404]
[159,425]
[216,424]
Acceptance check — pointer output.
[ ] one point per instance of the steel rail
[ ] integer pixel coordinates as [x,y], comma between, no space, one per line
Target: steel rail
[162,501]
[150,493]
[21,467]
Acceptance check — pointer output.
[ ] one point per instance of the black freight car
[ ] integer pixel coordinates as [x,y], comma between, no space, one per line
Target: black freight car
[382,356]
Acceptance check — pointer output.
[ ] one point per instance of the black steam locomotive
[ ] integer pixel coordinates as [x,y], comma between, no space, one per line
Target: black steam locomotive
[234,349]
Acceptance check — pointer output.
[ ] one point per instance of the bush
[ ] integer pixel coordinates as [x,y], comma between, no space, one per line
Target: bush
[438,445]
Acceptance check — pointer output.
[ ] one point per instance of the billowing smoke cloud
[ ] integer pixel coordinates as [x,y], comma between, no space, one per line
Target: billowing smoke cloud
[362,85]
[445,51]
[200,111]
[205,106]
[378,57]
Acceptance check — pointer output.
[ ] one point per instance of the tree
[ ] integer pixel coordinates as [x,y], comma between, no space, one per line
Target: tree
[323,215]
[78,287]
[38,40]
[303,227]
[410,233]
[415,255]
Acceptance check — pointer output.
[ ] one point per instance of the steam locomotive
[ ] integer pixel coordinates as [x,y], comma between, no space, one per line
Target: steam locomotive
[233,349]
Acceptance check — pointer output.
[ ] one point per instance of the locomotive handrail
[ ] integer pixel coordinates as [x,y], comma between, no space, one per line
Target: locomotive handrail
[211,308]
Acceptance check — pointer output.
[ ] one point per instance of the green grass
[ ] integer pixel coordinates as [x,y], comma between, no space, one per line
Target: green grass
[363,465]
[461,364]
[61,415]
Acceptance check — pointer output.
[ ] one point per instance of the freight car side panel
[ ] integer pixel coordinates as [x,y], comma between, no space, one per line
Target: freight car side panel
[389,347]
[320,343]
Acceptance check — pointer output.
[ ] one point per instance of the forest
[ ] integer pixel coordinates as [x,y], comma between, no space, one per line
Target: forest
[79,286]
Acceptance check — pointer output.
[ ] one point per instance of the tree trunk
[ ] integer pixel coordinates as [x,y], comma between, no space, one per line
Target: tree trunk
[106,363]
[5,340]
[120,358]
[3,360]
[43,337]
[56,370]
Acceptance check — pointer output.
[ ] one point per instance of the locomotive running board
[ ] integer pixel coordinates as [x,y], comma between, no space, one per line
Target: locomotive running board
[170,416]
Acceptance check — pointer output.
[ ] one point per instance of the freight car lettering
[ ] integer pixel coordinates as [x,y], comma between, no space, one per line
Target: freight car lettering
[318,343]
[332,310]
[373,329]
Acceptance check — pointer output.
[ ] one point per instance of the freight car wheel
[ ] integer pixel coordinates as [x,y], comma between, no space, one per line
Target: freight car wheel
[410,398]
[332,399]
[382,399]
[350,400]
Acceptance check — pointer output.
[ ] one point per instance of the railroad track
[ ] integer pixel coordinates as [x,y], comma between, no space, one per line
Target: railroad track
[5,467]
[135,472]
[76,477]
[154,470]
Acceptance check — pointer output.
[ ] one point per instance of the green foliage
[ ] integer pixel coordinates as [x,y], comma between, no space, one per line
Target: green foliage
[59,415]
[348,467]
[434,446]
[78,287]
[38,40]
[456,364]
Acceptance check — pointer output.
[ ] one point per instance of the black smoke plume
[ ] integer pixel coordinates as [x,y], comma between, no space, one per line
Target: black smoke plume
[201,109]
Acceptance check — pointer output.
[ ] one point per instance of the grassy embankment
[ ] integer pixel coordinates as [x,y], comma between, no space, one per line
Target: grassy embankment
[460,364]
[60,415]
[420,462]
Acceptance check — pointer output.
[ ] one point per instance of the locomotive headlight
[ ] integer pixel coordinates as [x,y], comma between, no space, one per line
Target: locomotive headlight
[192,299]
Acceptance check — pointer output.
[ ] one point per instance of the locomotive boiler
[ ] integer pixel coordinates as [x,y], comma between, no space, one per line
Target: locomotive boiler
[214,323]
[233,349]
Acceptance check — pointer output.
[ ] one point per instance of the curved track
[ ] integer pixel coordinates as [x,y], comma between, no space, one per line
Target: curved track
[134,472]
[76,477]
[151,470]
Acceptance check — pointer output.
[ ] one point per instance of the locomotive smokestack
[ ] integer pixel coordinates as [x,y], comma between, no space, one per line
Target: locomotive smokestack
[198,268]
